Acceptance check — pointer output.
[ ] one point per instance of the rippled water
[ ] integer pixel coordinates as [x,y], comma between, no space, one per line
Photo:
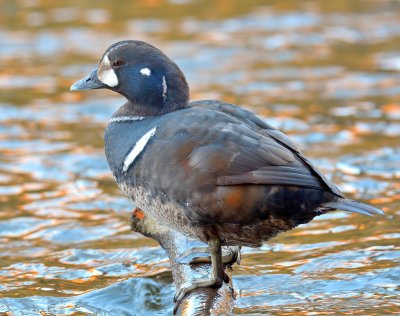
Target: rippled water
[327,73]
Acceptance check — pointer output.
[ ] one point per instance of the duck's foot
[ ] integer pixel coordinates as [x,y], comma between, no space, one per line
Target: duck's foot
[230,255]
[217,276]
[187,288]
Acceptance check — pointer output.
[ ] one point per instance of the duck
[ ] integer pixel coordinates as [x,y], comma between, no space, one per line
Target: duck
[209,169]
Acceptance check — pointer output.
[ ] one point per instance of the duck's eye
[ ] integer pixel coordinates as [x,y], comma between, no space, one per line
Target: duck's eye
[118,63]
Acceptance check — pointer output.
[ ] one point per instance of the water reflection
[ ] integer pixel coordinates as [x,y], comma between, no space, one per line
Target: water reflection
[324,72]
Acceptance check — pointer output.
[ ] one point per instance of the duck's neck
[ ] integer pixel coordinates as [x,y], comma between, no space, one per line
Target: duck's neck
[135,110]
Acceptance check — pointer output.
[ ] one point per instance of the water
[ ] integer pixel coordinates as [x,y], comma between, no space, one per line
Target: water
[327,73]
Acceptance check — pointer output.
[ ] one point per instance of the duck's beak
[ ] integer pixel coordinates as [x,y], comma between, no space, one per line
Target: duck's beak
[90,82]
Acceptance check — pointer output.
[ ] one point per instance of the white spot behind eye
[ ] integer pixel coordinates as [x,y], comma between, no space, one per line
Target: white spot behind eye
[145,72]
[107,75]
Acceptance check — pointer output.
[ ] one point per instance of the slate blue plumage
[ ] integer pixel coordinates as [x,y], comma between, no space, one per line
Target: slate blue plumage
[208,169]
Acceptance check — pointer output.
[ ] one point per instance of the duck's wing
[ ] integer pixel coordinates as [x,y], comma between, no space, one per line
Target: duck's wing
[263,155]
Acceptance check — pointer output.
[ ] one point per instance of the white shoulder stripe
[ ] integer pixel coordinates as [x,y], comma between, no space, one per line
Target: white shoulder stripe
[126,118]
[138,148]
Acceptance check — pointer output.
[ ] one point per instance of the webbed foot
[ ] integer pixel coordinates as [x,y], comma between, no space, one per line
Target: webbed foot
[230,255]
[187,288]
[217,277]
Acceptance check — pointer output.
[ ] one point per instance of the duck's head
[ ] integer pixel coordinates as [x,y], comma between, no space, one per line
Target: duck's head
[151,82]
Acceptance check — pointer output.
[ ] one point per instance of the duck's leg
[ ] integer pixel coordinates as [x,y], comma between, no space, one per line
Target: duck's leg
[217,274]
[230,255]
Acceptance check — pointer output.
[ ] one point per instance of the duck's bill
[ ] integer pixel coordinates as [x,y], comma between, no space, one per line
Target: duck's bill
[90,82]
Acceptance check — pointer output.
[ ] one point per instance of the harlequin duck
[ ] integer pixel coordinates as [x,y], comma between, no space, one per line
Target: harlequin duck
[208,169]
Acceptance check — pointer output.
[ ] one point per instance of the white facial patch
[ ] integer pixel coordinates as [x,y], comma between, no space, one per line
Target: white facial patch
[164,88]
[138,148]
[145,72]
[106,74]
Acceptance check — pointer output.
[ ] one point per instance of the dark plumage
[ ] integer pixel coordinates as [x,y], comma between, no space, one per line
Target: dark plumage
[209,169]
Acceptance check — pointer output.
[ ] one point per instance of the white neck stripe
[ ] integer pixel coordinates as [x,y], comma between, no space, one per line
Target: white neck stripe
[138,148]
[165,87]
[126,118]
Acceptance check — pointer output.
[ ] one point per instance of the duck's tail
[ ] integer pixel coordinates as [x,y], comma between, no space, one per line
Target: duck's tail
[353,207]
